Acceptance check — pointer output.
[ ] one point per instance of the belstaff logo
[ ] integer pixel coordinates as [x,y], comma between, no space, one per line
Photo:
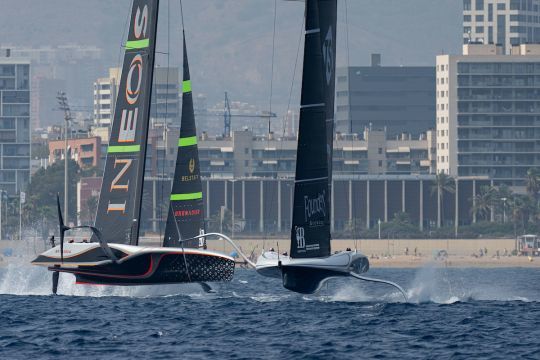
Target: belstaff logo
[328,55]
[191,168]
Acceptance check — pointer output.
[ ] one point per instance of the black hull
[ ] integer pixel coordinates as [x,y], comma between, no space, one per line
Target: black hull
[307,280]
[156,269]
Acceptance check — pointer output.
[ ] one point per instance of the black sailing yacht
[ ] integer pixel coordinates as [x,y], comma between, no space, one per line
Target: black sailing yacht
[311,262]
[113,257]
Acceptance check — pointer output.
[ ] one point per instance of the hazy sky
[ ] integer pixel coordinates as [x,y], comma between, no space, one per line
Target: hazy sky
[230,41]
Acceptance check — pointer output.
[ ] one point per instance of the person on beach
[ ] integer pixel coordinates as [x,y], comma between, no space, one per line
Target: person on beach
[415,251]
[406,251]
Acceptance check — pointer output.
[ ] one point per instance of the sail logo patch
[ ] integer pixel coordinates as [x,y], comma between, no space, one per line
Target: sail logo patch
[328,55]
[132,95]
[300,239]
[141,22]
[186,213]
[315,207]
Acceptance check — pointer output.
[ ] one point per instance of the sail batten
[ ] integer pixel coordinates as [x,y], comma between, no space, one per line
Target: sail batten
[310,232]
[119,207]
[185,218]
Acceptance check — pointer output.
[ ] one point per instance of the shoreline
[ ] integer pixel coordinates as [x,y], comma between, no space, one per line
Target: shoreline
[404,261]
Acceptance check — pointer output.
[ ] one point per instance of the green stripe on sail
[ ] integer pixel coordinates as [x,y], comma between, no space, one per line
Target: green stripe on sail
[137,44]
[123,149]
[186,86]
[187,141]
[189,196]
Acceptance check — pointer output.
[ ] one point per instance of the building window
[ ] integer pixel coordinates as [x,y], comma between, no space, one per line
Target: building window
[466,5]
[466,18]
[380,163]
[501,6]
[479,29]
[479,18]
[479,5]
[380,150]
[514,4]
[246,151]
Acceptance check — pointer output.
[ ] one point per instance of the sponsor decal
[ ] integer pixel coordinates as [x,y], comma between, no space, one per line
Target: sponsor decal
[300,239]
[187,213]
[136,67]
[115,183]
[328,55]
[189,178]
[141,22]
[315,207]
[191,165]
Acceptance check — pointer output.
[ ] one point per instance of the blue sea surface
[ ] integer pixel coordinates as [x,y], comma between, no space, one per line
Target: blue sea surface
[450,314]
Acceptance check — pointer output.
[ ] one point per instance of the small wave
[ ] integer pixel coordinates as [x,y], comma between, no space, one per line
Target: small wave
[266,298]
[443,286]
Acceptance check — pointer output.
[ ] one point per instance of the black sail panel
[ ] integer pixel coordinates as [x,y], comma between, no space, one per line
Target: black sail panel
[310,232]
[185,217]
[121,192]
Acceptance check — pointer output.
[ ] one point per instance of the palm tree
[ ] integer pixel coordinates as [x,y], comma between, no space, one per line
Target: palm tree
[483,201]
[522,207]
[443,183]
[532,181]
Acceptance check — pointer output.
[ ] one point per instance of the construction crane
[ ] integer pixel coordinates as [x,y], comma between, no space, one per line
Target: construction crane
[227,116]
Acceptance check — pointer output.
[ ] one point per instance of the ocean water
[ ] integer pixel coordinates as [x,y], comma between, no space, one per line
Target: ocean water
[450,314]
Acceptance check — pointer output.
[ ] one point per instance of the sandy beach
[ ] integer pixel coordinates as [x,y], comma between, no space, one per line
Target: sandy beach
[402,261]
[391,253]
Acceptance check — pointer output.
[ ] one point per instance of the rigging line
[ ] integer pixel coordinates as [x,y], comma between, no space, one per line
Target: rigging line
[182,244]
[281,143]
[118,62]
[273,57]
[353,206]
[265,213]
[165,135]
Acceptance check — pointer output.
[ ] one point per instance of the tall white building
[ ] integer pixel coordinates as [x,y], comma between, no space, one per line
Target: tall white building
[105,90]
[165,96]
[503,22]
[488,113]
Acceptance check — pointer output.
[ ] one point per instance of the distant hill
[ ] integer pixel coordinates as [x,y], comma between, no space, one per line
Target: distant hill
[230,41]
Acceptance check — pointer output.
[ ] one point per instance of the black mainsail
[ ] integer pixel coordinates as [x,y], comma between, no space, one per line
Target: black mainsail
[310,233]
[185,217]
[121,192]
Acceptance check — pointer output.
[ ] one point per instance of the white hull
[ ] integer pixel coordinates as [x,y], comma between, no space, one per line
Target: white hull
[84,254]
